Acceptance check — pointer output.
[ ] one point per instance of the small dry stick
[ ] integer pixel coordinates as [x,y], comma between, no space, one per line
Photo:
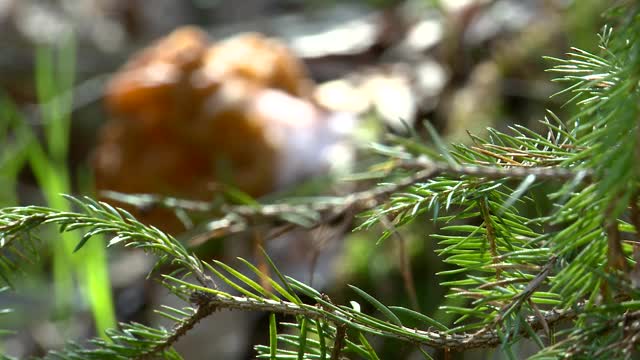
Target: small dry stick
[404,263]
[491,234]
[341,334]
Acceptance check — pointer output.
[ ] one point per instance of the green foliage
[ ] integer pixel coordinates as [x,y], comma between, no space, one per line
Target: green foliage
[565,278]
[55,75]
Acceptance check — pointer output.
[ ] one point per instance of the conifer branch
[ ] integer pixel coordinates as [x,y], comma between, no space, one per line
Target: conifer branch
[535,272]
[238,217]
[341,318]
[203,310]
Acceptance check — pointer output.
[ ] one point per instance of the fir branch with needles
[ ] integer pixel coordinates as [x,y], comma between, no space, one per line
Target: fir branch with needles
[567,280]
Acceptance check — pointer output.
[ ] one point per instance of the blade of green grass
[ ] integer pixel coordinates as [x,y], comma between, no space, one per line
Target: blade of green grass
[54,79]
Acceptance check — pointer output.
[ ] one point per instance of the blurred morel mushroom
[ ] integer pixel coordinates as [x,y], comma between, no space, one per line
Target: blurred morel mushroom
[186,117]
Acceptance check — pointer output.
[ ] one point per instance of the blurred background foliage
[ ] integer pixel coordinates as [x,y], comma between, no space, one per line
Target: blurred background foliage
[388,65]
